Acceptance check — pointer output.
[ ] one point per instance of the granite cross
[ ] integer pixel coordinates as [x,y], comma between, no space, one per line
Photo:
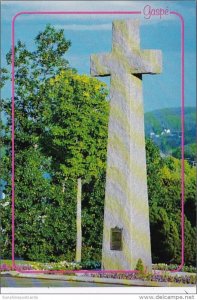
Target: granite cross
[126,233]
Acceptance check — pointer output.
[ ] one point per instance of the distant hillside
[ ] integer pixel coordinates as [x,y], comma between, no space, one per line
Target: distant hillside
[169,118]
[164,127]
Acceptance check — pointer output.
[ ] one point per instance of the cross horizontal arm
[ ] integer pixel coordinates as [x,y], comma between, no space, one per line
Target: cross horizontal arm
[151,61]
[99,64]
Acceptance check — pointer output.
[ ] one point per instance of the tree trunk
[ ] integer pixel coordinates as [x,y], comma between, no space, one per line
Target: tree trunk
[63,185]
[78,221]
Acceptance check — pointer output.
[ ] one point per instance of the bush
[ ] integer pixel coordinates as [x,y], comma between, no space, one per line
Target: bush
[90,265]
[140,266]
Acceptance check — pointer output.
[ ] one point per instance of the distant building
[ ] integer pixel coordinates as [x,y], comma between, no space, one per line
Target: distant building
[2,196]
[166,132]
[5,203]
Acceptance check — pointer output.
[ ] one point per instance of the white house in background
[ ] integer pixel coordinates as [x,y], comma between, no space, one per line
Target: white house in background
[166,131]
[2,196]
[5,204]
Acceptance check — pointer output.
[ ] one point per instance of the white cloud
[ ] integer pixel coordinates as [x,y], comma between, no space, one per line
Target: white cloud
[82,27]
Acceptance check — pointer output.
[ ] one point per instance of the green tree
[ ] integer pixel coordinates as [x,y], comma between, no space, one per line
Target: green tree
[165,239]
[44,218]
[171,186]
[76,115]
[189,152]
[190,243]
[92,218]
[32,69]
[3,77]
[47,124]
[154,164]
[164,189]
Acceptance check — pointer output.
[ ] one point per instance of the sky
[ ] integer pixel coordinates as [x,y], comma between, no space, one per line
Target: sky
[93,33]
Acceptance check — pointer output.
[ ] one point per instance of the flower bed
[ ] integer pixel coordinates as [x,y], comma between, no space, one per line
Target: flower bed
[166,277]
[24,266]
[21,267]
[52,266]
[5,267]
[171,267]
[65,267]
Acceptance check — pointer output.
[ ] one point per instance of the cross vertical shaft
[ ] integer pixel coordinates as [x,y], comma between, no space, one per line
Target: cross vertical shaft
[126,197]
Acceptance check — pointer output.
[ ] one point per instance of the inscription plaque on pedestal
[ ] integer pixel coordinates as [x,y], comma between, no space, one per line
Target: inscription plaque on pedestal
[116,239]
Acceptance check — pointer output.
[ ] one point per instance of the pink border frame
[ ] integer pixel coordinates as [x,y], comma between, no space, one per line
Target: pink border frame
[13,134]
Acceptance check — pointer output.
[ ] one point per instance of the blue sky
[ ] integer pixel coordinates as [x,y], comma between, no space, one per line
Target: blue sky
[92,34]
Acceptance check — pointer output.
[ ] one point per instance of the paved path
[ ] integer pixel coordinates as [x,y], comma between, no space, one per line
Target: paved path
[9,281]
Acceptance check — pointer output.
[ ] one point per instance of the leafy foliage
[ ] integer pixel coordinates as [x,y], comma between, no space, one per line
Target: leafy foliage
[164,188]
[140,266]
[76,117]
[90,265]
[60,134]
[189,152]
